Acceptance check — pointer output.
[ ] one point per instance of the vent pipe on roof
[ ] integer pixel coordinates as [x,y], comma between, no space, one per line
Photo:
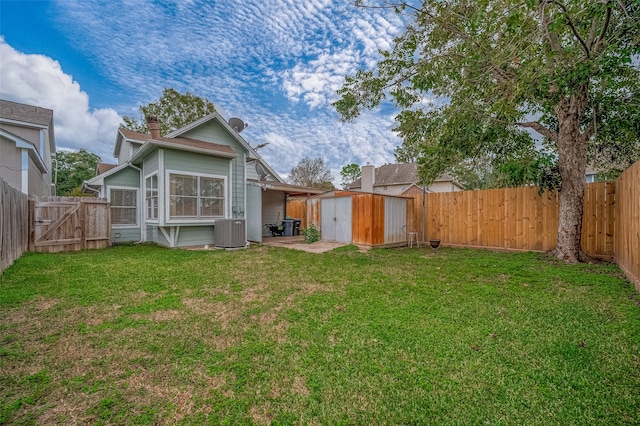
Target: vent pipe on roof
[152,122]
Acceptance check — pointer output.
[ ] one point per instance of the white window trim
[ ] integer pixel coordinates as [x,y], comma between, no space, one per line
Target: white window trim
[208,221]
[129,188]
[144,189]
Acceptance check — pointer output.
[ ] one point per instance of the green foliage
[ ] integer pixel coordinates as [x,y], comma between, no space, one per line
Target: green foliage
[350,173]
[312,173]
[173,109]
[311,234]
[500,66]
[73,168]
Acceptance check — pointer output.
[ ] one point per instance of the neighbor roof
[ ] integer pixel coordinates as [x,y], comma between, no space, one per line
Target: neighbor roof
[396,174]
[26,113]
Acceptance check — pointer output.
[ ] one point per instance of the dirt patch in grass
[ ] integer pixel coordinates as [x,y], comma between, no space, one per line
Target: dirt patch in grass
[299,386]
[261,414]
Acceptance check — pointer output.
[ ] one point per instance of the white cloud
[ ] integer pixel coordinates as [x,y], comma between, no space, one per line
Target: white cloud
[39,80]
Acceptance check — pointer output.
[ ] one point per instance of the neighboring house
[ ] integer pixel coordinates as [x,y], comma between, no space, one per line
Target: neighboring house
[399,179]
[27,143]
[181,189]
[591,174]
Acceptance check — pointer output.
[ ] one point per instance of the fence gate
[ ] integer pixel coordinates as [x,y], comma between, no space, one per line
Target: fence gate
[68,224]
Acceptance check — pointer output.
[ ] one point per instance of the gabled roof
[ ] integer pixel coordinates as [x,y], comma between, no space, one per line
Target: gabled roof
[184,144]
[129,135]
[398,174]
[104,167]
[214,116]
[26,113]
[99,180]
[29,116]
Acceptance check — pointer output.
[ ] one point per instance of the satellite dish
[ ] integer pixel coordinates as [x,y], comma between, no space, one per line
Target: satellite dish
[237,124]
[262,172]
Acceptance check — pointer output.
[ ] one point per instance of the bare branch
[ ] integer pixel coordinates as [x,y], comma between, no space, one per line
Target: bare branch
[592,32]
[535,125]
[544,18]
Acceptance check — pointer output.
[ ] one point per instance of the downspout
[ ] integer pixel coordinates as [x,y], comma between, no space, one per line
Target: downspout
[143,226]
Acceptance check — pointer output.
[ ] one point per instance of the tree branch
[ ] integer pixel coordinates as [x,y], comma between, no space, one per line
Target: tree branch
[540,129]
[544,19]
[574,30]
[605,27]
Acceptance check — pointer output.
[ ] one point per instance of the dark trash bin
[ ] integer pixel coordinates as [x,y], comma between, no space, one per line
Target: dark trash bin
[296,226]
[288,227]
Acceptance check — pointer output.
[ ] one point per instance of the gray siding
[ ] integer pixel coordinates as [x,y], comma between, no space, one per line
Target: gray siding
[125,235]
[213,132]
[187,235]
[196,236]
[39,183]
[151,163]
[196,163]
[125,152]
[128,177]
[11,163]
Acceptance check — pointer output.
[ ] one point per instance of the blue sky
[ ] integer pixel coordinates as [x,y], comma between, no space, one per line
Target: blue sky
[274,63]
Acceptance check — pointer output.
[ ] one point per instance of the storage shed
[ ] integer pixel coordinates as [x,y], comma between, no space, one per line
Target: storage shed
[361,218]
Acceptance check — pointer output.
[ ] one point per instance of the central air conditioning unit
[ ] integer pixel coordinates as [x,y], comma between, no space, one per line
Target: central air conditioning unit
[230,233]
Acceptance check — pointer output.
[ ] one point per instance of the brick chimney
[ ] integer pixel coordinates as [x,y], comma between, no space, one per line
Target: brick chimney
[368,177]
[152,122]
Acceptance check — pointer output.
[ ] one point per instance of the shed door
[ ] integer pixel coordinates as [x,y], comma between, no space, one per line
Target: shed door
[254,213]
[336,219]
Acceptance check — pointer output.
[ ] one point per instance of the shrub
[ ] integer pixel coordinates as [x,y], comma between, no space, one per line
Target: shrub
[311,234]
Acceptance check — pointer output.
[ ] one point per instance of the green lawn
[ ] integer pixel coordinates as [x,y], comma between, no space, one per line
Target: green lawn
[146,335]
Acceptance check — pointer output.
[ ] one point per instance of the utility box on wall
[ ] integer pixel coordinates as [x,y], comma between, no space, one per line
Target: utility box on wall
[230,233]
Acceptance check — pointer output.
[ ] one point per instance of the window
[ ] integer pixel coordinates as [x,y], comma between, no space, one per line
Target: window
[151,197]
[124,206]
[195,197]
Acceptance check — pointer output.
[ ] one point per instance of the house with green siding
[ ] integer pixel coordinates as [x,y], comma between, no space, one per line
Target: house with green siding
[202,184]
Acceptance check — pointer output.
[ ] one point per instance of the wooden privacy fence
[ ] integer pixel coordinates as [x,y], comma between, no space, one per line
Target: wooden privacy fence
[69,224]
[627,227]
[515,218]
[14,224]
[297,208]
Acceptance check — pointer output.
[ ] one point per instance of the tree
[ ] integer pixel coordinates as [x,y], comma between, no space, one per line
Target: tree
[174,110]
[73,168]
[312,173]
[501,67]
[349,174]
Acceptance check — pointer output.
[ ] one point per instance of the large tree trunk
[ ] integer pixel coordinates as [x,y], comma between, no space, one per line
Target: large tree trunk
[572,161]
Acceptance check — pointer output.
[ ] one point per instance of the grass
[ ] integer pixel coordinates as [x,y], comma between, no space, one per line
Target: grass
[146,335]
